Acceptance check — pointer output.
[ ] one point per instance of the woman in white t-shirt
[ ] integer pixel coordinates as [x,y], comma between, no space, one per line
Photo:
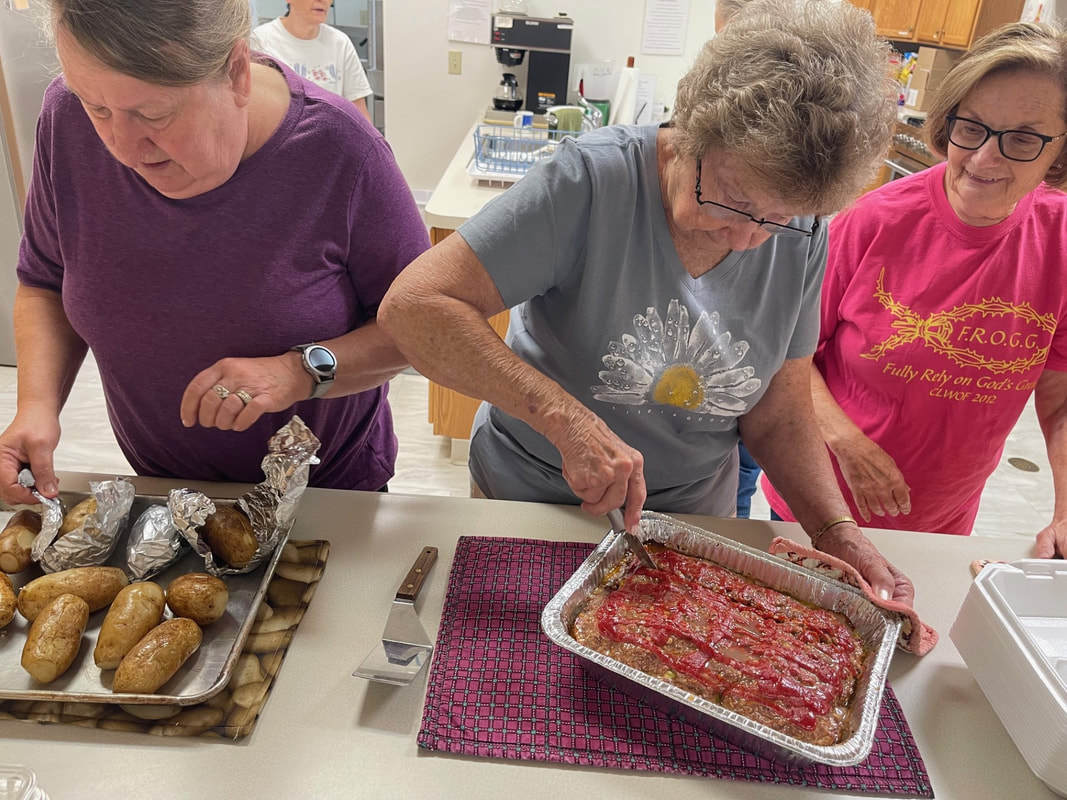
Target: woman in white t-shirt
[315,51]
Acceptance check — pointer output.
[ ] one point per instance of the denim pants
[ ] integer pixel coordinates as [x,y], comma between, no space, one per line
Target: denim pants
[747,474]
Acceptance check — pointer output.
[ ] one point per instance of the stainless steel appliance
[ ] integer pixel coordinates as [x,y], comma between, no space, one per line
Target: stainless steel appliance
[537,50]
[908,153]
[27,65]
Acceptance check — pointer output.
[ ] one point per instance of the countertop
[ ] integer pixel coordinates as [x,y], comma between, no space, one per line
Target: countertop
[325,734]
[457,197]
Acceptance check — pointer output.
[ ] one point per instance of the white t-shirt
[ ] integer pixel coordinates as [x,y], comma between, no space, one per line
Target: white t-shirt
[329,60]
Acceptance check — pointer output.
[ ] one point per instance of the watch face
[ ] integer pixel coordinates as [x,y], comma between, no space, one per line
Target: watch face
[321,360]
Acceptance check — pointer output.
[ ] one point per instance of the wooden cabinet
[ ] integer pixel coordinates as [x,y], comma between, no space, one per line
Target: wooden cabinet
[948,23]
[896,19]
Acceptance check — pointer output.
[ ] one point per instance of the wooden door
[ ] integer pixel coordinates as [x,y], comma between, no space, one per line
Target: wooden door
[931,23]
[959,22]
[896,19]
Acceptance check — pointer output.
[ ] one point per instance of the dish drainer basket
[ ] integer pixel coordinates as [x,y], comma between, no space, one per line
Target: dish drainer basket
[504,153]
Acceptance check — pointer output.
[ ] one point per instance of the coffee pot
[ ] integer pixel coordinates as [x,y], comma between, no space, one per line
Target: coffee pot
[507,96]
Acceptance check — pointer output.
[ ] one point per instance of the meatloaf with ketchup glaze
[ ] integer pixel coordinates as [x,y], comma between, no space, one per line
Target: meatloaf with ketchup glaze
[731,640]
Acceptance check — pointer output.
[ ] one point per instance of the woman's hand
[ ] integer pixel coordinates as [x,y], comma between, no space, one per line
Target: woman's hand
[877,485]
[600,468]
[250,388]
[1052,541]
[848,543]
[31,438]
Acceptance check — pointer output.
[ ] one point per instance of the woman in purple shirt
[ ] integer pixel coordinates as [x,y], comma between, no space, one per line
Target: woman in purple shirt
[199,220]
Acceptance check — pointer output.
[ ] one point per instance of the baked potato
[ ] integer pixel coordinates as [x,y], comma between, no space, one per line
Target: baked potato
[16,540]
[75,518]
[198,596]
[136,609]
[154,660]
[228,532]
[55,638]
[7,600]
[97,586]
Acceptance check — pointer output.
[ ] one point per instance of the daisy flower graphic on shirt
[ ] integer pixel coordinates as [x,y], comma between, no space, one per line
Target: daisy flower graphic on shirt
[695,368]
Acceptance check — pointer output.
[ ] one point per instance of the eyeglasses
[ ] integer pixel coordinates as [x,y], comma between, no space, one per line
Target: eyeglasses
[736,215]
[970,134]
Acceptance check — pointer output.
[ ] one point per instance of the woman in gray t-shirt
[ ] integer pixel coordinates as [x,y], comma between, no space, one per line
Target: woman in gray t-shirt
[664,286]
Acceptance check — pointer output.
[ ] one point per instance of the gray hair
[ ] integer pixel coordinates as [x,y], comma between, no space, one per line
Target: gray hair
[727,8]
[800,91]
[165,42]
[1033,46]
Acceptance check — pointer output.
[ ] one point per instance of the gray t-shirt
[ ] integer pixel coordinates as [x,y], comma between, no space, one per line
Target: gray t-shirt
[581,252]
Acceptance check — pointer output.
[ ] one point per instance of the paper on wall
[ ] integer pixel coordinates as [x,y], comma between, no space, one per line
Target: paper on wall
[665,24]
[468,21]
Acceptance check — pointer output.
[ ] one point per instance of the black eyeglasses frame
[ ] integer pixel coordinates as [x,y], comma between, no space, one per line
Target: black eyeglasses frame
[990,133]
[765,224]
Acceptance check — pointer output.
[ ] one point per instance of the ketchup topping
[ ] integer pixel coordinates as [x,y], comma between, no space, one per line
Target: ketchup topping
[735,637]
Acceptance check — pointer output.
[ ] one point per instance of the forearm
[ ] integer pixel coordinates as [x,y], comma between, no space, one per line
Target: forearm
[782,435]
[833,423]
[48,351]
[450,342]
[1050,401]
[366,358]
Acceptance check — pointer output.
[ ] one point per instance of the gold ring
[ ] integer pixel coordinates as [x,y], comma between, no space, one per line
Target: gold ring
[246,398]
[221,390]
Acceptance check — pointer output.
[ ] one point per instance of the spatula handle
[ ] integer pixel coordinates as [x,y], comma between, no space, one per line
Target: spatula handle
[409,587]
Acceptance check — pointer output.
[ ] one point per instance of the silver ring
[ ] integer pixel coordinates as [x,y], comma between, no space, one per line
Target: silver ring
[221,390]
[246,398]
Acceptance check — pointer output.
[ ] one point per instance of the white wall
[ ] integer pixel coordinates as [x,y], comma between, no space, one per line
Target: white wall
[429,111]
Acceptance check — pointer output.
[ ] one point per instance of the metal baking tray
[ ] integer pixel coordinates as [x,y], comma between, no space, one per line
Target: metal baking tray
[204,675]
[878,629]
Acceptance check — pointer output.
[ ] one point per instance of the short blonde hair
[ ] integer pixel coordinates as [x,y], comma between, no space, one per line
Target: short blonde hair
[165,42]
[1038,47]
[800,91]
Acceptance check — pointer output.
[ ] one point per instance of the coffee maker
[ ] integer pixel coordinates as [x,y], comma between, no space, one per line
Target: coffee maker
[536,54]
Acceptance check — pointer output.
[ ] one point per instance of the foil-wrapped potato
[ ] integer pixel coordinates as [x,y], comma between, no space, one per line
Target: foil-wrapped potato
[97,586]
[16,541]
[136,609]
[55,638]
[198,596]
[76,517]
[154,660]
[228,533]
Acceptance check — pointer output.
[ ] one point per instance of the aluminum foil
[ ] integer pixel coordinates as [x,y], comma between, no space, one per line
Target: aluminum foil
[51,512]
[878,629]
[270,505]
[92,542]
[154,543]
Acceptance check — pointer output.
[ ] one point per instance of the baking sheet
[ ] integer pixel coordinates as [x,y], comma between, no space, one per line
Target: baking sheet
[877,629]
[205,673]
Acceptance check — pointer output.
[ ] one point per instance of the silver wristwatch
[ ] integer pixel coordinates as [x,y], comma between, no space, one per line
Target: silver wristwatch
[320,363]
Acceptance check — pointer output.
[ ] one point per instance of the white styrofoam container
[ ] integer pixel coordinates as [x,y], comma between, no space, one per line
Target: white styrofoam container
[1012,632]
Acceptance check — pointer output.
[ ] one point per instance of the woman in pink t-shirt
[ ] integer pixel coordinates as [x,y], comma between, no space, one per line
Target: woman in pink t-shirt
[945,300]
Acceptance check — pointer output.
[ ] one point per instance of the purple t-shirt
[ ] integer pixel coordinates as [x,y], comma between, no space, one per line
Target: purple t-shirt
[299,245]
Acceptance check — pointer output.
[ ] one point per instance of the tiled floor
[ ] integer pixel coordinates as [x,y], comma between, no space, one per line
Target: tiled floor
[1015,503]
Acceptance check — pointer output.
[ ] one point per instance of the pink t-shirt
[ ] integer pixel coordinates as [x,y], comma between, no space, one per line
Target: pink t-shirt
[934,334]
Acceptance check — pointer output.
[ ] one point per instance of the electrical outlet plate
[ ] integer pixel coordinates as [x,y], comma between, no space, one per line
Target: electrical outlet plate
[455,62]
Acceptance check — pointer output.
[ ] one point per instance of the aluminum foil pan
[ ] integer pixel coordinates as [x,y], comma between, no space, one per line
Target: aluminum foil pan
[878,629]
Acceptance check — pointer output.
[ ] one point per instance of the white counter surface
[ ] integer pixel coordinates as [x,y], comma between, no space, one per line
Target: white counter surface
[325,734]
[458,197]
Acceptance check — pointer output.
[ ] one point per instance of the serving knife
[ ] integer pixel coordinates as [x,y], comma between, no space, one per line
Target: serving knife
[632,542]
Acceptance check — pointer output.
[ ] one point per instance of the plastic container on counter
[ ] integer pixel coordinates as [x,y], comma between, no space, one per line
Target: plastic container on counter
[19,783]
[1012,632]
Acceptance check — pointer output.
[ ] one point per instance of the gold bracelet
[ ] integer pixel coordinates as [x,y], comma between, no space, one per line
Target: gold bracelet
[830,524]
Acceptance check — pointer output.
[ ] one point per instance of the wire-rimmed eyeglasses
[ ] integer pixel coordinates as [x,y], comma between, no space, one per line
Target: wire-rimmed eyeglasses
[773,228]
[970,134]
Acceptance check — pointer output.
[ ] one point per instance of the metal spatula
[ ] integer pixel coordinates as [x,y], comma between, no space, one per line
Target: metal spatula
[404,647]
[632,542]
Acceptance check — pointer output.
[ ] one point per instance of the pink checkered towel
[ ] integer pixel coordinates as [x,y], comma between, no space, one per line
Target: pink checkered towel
[915,636]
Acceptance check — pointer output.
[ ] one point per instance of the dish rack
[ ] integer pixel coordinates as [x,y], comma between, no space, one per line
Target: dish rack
[504,154]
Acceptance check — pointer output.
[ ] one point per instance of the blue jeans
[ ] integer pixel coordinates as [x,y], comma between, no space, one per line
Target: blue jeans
[747,474]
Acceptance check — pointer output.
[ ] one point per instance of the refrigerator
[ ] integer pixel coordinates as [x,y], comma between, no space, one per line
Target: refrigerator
[27,65]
